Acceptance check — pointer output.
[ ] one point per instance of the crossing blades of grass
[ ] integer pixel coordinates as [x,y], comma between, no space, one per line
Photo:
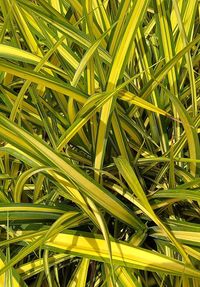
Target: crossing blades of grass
[99,143]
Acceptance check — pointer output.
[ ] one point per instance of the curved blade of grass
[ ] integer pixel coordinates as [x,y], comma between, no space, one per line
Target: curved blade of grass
[17,54]
[49,82]
[30,212]
[11,207]
[123,254]
[23,178]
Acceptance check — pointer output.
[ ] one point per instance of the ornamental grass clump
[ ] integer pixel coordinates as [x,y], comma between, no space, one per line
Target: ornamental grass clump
[100,153]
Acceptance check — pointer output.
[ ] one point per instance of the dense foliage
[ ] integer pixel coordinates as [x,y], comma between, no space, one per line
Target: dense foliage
[100,153]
